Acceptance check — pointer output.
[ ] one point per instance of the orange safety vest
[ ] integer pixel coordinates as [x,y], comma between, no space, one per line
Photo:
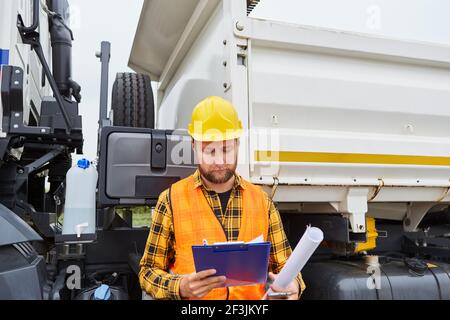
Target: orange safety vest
[194,220]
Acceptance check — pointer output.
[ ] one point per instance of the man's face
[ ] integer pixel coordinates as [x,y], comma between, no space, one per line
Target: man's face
[217,160]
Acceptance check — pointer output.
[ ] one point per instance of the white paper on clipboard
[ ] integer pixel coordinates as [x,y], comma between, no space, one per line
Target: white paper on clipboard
[258,239]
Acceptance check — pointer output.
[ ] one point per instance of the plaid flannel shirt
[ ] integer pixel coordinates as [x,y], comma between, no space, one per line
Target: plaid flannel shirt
[159,254]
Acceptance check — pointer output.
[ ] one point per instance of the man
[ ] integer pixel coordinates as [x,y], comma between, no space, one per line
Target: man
[215,204]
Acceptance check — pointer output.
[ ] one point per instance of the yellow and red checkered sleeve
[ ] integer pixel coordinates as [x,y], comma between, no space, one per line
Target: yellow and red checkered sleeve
[154,275]
[280,250]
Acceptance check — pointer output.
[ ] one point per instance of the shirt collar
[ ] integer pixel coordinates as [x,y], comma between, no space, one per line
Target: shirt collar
[199,182]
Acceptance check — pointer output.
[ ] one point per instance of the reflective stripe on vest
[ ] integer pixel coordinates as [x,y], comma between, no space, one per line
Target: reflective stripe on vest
[194,220]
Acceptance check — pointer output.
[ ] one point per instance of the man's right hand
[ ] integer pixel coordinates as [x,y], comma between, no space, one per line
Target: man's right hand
[198,285]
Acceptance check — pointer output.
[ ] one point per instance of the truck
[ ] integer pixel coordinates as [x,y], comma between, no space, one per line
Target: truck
[344,131]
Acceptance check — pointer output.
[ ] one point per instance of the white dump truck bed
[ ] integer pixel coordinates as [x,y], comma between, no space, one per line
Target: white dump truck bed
[337,121]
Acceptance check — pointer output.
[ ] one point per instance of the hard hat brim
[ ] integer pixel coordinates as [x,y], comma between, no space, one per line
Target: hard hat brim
[216,136]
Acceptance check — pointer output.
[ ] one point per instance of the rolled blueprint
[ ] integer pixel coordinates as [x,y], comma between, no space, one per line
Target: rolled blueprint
[303,251]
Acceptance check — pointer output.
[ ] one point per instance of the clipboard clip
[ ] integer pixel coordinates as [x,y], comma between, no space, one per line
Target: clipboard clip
[231,247]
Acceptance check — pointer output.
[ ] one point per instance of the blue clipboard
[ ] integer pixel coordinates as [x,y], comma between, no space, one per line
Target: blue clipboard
[242,264]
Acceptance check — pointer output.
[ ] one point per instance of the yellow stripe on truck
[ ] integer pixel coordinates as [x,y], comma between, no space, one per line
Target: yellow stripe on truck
[296,156]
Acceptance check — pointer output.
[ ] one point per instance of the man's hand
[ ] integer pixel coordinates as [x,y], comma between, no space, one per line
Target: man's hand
[198,285]
[292,288]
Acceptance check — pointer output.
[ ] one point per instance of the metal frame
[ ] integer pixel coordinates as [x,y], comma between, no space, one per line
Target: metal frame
[104,55]
[30,36]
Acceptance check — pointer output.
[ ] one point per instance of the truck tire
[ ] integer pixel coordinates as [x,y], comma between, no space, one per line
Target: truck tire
[132,101]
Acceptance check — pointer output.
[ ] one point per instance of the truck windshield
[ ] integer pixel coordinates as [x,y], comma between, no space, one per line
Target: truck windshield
[417,20]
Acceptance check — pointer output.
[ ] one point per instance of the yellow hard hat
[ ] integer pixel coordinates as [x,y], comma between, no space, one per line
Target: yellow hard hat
[214,119]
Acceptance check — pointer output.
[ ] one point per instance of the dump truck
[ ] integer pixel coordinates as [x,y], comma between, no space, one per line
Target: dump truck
[344,131]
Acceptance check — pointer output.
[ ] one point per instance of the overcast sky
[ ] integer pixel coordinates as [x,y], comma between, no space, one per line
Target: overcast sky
[116,20]
[93,21]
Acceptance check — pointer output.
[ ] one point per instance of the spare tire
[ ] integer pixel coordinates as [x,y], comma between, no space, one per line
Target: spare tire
[132,101]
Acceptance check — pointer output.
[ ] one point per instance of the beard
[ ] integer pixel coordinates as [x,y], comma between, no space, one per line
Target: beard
[218,176]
